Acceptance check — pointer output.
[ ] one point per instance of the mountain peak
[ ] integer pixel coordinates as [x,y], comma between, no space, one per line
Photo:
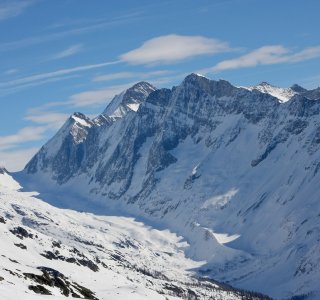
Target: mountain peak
[283,94]
[194,77]
[129,100]
[298,88]
[218,88]
[142,85]
[264,83]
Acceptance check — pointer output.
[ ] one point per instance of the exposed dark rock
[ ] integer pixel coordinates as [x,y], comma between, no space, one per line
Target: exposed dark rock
[21,233]
[21,246]
[84,261]
[18,210]
[56,244]
[89,264]
[51,256]
[89,243]
[71,260]
[12,273]
[2,220]
[54,278]
[175,290]
[3,170]
[39,289]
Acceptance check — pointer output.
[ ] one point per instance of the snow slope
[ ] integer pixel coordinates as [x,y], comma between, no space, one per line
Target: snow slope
[47,250]
[234,171]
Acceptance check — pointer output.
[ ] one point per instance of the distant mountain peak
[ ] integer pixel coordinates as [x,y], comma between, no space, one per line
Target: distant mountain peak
[128,100]
[195,77]
[142,85]
[264,83]
[298,88]
[282,94]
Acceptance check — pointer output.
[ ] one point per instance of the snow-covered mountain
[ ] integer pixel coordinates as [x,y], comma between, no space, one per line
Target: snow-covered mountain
[50,251]
[233,170]
[283,94]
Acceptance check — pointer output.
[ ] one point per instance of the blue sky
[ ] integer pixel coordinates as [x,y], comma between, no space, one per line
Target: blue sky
[58,57]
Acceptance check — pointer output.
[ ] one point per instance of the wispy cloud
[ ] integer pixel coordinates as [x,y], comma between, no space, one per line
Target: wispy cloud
[24,135]
[97,97]
[51,36]
[55,75]
[12,155]
[15,88]
[17,159]
[125,75]
[114,76]
[52,120]
[173,48]
[267,55]
[68,52]
[11,71]
[13,8]
[104,96]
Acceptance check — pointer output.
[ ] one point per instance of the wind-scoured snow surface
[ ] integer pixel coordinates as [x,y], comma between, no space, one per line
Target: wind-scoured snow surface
[51,253]
[235,171]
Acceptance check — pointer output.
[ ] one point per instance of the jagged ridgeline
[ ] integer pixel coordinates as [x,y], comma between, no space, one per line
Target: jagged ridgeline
[235,170]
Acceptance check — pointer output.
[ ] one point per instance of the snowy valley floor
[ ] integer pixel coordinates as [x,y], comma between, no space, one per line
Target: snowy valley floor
[49,253]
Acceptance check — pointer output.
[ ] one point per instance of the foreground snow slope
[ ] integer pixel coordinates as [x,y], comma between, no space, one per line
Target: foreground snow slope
[234,171]
[47,250]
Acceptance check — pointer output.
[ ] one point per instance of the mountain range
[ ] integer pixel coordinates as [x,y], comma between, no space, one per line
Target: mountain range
[233,170]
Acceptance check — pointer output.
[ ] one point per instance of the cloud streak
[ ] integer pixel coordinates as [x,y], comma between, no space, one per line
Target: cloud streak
[43,77]
[52,120]
[68,52]
[125,75]
[24,135]
[13,8]
[99,25]
[97,97]
[173,48]
[266,55]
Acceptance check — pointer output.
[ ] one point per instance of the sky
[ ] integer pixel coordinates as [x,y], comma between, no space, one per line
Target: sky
[65,56]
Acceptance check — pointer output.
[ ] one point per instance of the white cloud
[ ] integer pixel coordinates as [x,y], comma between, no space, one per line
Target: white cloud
[173,48]
[105,95]
[267,55]
[305,54]
[16,160]
[24,135]
[13,8]
[52,120]
[68,52]
[97,97]
[12,156]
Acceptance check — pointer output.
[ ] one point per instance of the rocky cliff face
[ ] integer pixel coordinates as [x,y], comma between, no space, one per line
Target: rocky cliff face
[234,170]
